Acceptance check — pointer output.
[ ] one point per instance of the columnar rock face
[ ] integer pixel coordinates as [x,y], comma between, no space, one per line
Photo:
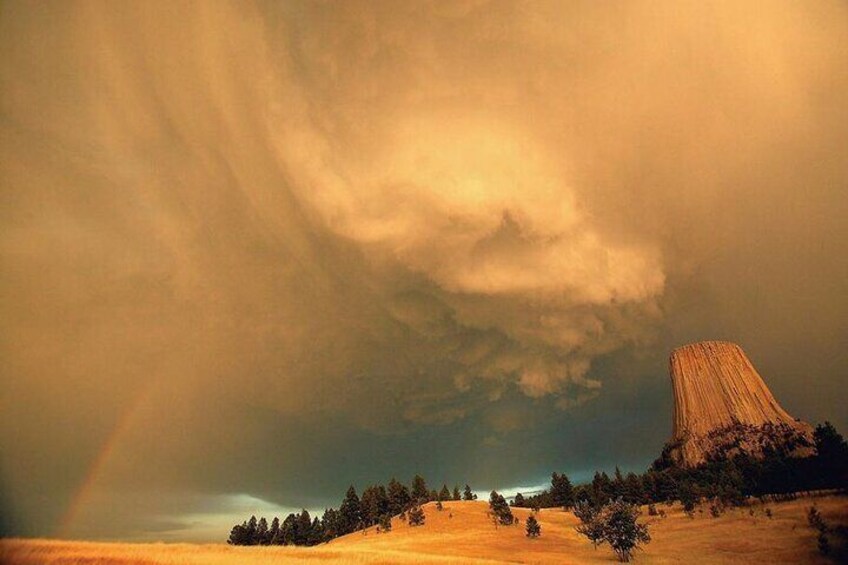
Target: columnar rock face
[722,403]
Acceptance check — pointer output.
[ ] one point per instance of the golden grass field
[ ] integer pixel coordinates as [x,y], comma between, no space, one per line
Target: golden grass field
[462,533]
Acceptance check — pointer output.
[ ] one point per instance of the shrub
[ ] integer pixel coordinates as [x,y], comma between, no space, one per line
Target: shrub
[385,523]
[814,518]
[816,521]
[416,516]
[652,510]
[715,510]
[688,497]
[823,543]
[532,527]
[591,523]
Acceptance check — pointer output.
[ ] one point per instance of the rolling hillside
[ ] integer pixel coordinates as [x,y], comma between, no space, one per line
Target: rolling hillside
[463,533]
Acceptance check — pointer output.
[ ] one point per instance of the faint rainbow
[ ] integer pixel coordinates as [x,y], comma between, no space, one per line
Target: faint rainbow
[83,493]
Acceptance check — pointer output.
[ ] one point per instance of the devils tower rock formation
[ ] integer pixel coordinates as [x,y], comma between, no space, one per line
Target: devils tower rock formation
[722,406]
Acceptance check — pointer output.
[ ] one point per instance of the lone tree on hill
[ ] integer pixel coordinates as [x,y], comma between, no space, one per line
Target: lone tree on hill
[621,530]
[416,516]
[532,527]
[467,494]
[614,524]
[499,509]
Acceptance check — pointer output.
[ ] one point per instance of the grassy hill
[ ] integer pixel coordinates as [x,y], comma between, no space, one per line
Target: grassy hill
[463,533]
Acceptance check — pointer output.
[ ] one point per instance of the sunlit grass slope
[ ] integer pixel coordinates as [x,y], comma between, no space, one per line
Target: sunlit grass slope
[462,533]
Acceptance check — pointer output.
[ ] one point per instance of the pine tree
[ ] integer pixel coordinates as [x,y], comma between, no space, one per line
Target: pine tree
[617,484]
[583,493]
[467,494]
[374,503]
[382,499]
[688,497]
[316,532]
[532,527]
[274,532]
[261,531]
[399,497]
[601,488]
[419,492]
[288,529]
[499,510]
[562,493]
[830,444]
[831,456]
[518,502]
[250,531]
[667,486]
[650,486]
[238,535]
[350,512]
[303,528]
[330,524]
[634,491]
[456,494]
[444,494]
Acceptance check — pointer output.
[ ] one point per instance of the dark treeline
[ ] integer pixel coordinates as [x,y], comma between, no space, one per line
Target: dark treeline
[376,507]
[728,475]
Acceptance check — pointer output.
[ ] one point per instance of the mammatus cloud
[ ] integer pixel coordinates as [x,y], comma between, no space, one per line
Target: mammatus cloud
[472,199]
[255,251]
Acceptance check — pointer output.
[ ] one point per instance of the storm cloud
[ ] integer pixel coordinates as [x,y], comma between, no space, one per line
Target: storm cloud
[253,252]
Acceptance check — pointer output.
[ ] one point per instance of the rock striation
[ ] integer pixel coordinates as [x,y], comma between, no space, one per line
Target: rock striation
[722,405]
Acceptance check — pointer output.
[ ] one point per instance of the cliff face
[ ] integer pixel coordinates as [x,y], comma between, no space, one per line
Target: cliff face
[721,403]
